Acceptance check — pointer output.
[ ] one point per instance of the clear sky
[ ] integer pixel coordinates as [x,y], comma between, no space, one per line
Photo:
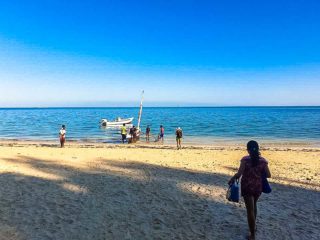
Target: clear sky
[208,53]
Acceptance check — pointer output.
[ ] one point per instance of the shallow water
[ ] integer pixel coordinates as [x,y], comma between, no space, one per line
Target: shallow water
[200,125]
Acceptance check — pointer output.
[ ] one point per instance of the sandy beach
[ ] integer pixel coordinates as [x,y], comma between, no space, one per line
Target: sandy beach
[95,191]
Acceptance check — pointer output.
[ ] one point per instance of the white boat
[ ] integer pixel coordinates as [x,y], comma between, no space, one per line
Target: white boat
[117,122]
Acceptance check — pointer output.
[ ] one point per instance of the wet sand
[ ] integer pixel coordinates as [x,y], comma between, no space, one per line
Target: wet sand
[96,191]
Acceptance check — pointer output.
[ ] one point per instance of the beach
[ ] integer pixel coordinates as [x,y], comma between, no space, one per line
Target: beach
[102,191]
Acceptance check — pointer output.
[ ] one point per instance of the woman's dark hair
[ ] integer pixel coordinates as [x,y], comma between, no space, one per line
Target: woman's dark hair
[253,149]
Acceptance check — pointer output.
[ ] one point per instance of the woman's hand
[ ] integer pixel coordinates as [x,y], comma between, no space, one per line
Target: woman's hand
[231,181]
[238,174]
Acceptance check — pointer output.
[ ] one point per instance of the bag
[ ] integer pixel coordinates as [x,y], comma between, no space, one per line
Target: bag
[265,185]
[233,192]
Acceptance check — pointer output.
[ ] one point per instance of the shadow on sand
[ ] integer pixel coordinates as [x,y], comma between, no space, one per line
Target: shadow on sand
[131,200]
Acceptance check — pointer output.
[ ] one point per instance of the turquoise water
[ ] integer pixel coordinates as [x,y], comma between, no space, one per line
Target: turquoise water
[200,125]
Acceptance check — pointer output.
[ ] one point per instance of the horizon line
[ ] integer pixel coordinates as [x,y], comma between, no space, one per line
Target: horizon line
[227,106]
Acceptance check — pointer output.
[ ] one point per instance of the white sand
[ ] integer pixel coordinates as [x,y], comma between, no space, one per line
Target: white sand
[95,192]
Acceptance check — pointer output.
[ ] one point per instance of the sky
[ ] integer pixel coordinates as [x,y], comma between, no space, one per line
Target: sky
[181,53]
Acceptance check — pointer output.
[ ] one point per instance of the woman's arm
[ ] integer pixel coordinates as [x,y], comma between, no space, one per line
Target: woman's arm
[238,174]
[268,173]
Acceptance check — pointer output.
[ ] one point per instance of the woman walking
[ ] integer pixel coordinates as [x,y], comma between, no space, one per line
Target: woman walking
[252,169]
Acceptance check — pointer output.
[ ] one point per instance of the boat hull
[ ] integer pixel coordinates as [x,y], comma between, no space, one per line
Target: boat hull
[104,122]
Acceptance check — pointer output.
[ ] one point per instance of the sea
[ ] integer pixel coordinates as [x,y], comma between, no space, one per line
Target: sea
[201,125]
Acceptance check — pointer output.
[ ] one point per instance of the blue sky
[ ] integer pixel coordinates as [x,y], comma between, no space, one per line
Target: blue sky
[199,53]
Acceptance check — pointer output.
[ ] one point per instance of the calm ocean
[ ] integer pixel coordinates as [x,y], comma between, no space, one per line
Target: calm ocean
[200,125]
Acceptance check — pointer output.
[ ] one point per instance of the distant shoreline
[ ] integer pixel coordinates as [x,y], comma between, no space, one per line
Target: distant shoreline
[152,145]
[187,141]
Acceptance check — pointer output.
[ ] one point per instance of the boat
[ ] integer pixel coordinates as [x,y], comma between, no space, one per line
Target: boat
[117,122]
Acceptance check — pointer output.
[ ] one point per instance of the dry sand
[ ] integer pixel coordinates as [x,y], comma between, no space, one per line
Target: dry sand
[140,192]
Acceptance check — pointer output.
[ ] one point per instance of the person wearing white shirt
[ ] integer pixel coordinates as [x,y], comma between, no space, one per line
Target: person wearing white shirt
[62,135]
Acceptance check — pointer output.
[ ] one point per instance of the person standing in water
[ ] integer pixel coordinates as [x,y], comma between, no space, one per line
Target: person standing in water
[161,134]
[148,133]
[131,131]
[62,135]
[135,134]
[123,133]
[252,169]
[178,137]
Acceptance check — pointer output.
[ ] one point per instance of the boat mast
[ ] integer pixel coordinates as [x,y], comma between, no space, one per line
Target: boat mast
[140,111]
